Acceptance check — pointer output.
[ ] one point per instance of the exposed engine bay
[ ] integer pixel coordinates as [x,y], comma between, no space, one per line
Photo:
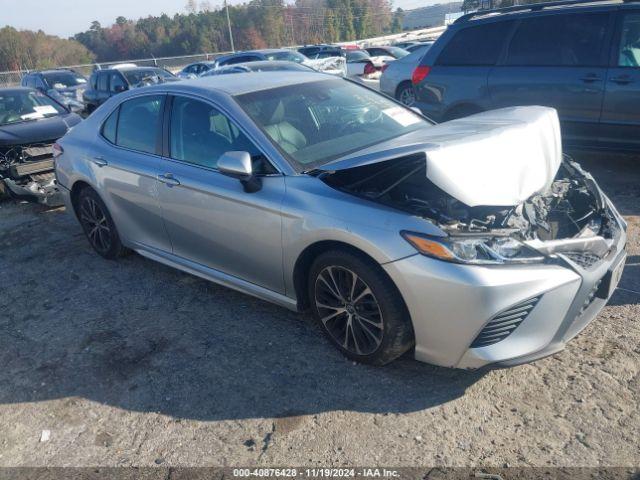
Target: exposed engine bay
[27,172]
[570,207]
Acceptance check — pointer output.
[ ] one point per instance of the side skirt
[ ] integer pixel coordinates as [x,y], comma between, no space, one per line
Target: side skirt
[215,276]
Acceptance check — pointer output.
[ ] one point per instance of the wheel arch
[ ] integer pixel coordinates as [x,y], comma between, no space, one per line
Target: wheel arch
[401,85]
[76,188]
[311,252]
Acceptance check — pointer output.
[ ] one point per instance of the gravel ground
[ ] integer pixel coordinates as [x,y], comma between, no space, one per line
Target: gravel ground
[133,363]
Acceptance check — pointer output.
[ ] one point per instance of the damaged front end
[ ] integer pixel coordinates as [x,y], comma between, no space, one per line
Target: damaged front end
[498,187]
[27,172]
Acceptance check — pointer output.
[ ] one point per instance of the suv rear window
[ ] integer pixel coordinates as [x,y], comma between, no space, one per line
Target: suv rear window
[560,40]
[476,46]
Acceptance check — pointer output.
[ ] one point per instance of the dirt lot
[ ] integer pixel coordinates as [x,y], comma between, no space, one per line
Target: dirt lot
[133,363]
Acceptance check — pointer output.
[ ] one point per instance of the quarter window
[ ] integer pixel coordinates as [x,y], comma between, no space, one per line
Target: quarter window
[109,127]
[629,51]
[117,81]
[200,134]
[560,40]
[139,123]
[476,46]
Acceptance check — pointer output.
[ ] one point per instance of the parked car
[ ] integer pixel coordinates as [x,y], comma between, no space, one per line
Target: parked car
[30,123]
[197,69]
[104,84]
[395,80]
[63,85]
[317,52]
[360,63]
[419,45]
[580,58]
[259,66]
[406,44]
[472,241]
[387,51]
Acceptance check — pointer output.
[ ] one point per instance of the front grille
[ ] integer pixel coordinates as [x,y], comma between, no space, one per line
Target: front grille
[504,323]
[583,259]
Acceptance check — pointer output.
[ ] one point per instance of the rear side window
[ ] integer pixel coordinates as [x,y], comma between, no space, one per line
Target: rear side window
[574,40]
[103,82]
[476,46]
[139,123]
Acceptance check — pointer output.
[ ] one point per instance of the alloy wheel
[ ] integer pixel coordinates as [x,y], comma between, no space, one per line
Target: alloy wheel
[407,96]
[95,225]
[349,310]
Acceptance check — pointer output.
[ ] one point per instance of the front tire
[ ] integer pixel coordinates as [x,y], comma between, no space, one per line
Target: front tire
[98,225]
[358,308]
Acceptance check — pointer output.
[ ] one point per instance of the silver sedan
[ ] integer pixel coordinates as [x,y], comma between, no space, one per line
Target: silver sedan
[467,243]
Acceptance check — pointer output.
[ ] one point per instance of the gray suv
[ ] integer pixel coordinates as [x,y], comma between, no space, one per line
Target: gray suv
[581,58]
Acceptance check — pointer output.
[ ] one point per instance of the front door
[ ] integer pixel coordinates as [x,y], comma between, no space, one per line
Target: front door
[557,60]
[211,220]
[620,123]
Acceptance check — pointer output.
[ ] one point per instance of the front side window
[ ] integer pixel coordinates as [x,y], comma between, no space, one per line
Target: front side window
[18,106]
[63,79]
[629,50]
[146,76]
[200,134]
[476,46]
[316,122]
[571,40]
[139,123]
[117,83]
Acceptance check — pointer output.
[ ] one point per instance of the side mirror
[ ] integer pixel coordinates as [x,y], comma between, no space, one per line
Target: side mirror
[238,165]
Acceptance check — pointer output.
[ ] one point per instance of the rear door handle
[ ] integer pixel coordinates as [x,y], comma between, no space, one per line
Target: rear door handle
[590,78]
[169,180]
[100,161]
[622,79]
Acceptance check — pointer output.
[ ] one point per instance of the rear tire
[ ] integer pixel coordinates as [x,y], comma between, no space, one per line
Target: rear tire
[359,308]
[98,225]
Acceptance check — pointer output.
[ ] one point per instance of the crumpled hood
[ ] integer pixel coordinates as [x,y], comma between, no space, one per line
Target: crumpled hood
[496,158]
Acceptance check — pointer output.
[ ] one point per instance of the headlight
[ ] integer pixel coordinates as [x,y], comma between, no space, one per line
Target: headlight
[474,250]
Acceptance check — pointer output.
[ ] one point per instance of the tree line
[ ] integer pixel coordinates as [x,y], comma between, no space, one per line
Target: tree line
[200,29]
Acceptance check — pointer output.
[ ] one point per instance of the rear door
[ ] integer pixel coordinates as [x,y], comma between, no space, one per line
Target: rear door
[557,60]
[620,122]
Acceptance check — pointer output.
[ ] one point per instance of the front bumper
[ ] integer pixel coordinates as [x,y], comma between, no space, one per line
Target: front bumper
[451,304]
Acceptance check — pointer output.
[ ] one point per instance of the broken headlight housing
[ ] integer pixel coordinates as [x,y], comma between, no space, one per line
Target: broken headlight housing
[473,250]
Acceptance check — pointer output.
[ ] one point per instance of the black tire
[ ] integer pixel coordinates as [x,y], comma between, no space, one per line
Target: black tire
[98,225]
[390,333]
[406,92]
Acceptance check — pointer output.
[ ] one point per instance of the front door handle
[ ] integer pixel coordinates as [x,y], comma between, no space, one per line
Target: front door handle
[590,78]
[622,79]
[169,180]
[99,161]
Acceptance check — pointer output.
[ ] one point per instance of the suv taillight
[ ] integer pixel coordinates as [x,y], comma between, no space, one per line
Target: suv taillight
[420,73]
[57,150]
[369,68]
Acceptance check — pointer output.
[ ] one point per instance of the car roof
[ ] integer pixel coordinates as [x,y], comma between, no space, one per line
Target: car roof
[231,85]
[271,50]
[482,16]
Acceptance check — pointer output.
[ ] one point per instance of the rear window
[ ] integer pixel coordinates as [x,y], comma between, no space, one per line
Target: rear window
[560,40]
[476,46]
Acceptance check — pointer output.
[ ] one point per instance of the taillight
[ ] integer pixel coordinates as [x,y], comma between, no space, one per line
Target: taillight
[420,73]
[57,150]
[369,68]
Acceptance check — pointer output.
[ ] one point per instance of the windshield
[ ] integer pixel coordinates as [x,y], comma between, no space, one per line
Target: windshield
[290,56]
[59,80]
[22,106]
[397,52]
[149,75]
[317,122]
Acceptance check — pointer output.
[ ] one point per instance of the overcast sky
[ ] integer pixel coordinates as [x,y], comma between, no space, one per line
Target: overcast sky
[66,17]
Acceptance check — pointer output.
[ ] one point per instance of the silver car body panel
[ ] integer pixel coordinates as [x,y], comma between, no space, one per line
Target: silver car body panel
[252,242]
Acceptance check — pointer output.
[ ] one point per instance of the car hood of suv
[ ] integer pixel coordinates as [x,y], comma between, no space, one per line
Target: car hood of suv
[496,158]
[36,131]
